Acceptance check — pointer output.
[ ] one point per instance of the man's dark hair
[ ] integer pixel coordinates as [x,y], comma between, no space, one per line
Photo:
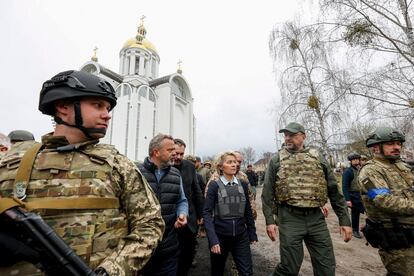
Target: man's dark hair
[198,158]
[156,141]
[179,142]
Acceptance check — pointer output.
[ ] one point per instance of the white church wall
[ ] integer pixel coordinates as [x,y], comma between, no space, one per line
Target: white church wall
[164,114]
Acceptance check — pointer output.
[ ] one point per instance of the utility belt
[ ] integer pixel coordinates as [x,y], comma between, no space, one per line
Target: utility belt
[397,237]
[302,211]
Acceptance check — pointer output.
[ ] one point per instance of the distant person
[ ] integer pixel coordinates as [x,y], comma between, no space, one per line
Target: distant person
[228,219]
[387,193]
[4,144]
[253,179]
[187,235]
[298,183]
[20,136]
[350,189]
[203,171]
[166,183]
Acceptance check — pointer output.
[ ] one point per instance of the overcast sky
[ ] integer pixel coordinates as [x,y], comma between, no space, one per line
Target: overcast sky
[223,46]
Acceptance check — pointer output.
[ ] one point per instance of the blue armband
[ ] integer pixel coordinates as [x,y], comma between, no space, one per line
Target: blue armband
[372,193]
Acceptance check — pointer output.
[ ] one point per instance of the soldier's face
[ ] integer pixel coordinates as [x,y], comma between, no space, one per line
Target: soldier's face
[391,149]
[294,141]
[95,115]
[165,152]
[229,167]
[179,154]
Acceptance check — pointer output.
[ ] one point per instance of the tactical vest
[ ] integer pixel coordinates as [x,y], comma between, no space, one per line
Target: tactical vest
[400,180]
[354,184]
[301,179]
[85,173]
[167,191]
[231,201]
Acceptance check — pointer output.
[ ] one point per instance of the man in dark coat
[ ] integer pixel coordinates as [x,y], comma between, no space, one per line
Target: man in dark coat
[187,236]
[351,192]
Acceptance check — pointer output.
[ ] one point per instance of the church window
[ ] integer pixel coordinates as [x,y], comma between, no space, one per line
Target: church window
[90,68]
[143,92]
[127,90]
[178,89]
[151,96]
[137,65]
[118,92]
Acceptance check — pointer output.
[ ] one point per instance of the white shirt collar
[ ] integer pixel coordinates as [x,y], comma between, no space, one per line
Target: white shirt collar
[226,182]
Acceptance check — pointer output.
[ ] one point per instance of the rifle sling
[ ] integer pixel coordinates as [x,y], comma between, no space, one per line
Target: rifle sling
[25,170]
[60,204]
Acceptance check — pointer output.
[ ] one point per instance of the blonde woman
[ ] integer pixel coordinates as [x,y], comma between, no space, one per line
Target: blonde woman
[228,218]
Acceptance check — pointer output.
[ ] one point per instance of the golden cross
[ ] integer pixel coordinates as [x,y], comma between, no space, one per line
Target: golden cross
[179,63]
[94,50]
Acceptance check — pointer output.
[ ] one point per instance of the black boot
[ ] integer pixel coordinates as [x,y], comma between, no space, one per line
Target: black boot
[356,234]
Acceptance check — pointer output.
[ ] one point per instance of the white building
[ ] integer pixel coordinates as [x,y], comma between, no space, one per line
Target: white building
[147,104]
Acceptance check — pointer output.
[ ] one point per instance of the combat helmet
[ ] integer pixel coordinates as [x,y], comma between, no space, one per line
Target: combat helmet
[353,155]
[20,135]
[385,134]
[75,85]
[72,85]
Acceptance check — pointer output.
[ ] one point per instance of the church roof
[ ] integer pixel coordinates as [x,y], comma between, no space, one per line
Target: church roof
[111,74]
[159,81]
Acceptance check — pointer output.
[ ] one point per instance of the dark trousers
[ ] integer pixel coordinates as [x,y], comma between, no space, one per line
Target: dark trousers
[239,247]
[297,225]
[161,265]
[188,242]
[356,210]
[355,219]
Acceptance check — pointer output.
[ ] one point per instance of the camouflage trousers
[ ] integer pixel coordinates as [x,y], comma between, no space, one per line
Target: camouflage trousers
[398,262]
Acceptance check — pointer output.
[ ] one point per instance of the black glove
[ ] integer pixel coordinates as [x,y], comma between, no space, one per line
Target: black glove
[14,251]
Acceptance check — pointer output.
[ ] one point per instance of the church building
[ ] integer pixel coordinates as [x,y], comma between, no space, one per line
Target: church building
[147,104]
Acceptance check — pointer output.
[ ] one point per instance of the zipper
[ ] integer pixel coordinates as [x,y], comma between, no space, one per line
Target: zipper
[234,228]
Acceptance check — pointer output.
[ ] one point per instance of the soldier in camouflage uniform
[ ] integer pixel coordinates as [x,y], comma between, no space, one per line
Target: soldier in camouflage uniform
[106,211]
[297,184]
[387,192]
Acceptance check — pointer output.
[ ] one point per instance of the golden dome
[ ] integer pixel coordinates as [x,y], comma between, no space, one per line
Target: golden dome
[146,44]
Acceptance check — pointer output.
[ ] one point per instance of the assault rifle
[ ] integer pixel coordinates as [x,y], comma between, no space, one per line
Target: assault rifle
[23,233]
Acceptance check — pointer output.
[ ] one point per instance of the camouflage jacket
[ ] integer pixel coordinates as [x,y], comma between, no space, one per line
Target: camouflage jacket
[387,190]
[269,205]
[119,240]
[240,175]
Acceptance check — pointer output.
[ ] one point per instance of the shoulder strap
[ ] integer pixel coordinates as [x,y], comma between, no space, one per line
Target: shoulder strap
[24,171]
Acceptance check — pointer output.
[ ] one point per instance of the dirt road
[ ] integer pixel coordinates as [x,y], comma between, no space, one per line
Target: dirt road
[352,259]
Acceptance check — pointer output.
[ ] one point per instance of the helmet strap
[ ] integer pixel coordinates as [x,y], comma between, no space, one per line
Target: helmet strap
[79,122]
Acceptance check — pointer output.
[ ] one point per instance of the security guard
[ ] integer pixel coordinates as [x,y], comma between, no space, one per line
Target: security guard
[297,184]
[387,193]
[93,196]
